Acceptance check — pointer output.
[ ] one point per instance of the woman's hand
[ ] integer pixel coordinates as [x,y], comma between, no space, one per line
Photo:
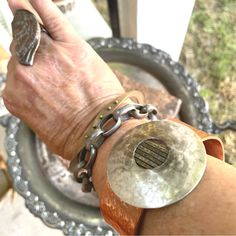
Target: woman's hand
[66,86]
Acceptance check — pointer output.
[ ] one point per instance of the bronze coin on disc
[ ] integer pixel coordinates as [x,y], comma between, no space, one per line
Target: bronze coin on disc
[156,164]
[26,34]
[151,153]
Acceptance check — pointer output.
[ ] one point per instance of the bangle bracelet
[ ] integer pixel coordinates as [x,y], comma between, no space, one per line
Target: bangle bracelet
[135,95]
[82,165]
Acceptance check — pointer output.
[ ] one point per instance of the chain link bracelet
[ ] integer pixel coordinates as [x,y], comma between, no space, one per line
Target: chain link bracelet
[82,165]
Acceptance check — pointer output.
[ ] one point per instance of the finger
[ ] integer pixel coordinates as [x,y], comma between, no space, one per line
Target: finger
[9,65]
[53,19]
[22,4]
[45,43]
[12,65]
[12,47]
[10,83]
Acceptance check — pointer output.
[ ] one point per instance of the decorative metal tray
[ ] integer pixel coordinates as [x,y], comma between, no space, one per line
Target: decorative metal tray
[50,191]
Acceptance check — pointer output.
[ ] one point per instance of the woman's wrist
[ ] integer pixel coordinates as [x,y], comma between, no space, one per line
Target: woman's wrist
[99,173]
[72,147]
[88,124]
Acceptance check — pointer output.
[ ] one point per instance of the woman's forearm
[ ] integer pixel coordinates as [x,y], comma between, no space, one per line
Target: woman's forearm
[209,209]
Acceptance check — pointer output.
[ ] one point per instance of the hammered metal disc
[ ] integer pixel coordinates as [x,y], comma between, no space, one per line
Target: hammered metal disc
[156,164]
[26,34]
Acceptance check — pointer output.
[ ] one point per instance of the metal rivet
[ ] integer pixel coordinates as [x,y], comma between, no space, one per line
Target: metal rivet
[116,102]
[109,108]
[101,116]
[86,136]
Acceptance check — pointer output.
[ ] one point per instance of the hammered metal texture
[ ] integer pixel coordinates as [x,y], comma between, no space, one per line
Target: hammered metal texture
[26,34]
[164,184]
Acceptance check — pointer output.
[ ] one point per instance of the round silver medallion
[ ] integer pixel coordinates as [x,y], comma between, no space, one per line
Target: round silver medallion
[156,164]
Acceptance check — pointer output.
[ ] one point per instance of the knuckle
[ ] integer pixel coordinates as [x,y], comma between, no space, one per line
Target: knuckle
[20,72]
[9,105]
[54,23]
[45,43]
[12,47]
[16,70]
[6,95]
[9,65]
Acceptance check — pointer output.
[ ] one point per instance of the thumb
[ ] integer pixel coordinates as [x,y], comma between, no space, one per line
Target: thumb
[54,21]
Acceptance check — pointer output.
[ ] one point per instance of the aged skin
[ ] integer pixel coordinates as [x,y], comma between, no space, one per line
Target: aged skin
[60,105]
[59,96]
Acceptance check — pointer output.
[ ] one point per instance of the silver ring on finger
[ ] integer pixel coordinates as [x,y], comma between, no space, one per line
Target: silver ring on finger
[26,32]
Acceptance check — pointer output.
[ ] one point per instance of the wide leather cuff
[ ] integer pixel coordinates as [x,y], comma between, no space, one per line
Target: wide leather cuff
[124,218]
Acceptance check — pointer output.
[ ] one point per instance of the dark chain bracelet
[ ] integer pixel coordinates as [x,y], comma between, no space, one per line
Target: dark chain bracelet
[82,165]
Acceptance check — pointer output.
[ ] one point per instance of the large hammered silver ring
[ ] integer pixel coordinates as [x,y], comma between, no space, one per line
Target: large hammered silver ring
[26,32]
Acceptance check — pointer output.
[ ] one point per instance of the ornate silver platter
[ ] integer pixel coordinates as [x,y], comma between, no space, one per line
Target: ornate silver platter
[50,191]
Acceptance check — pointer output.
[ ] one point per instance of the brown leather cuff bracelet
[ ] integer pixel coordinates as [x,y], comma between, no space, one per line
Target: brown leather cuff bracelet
[125,218]
[153,165]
